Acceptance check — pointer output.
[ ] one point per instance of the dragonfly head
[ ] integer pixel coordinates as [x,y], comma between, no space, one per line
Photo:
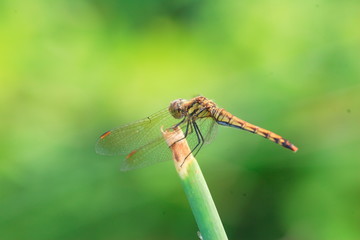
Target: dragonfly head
[176,108]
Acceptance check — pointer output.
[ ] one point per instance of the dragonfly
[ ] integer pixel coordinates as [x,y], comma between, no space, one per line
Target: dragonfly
[142,143]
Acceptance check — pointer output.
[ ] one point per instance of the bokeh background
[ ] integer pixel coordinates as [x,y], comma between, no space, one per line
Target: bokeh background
[70,70]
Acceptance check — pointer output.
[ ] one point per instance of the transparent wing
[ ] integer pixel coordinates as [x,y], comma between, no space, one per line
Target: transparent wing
[153,152]
[127,138]
[208,128]
[211,131]
[142,144]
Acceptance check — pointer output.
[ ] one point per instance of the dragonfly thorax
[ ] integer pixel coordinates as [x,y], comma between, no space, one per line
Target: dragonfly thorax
[176,108]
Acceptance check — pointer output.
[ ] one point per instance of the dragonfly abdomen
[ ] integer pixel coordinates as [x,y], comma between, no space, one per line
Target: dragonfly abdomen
[225,118]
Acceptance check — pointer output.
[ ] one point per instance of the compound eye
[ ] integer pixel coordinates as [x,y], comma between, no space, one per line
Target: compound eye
[175,108]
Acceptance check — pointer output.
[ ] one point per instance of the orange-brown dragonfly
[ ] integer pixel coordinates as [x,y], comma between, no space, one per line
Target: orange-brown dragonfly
[142,143]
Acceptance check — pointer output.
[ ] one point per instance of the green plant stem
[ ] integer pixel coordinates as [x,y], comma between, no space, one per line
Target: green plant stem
[195,187]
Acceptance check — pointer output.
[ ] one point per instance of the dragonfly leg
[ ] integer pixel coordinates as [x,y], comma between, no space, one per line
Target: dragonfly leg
[178,124]
[195,113]
[186,132]
[199,143]
[201,136]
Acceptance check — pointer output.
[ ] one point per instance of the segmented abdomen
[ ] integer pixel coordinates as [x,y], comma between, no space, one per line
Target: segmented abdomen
[225,118]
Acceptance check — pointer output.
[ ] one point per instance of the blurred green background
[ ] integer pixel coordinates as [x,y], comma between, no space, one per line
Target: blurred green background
[70,70]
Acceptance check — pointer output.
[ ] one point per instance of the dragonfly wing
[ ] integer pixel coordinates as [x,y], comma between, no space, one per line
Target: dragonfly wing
[211,132]
[153,152]
[208,128]
[127,138]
